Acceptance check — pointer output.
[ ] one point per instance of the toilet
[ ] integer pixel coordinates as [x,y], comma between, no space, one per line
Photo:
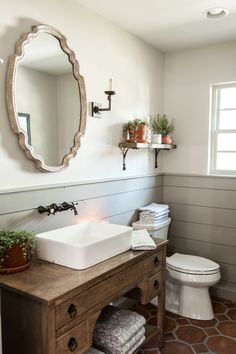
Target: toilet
[188,279]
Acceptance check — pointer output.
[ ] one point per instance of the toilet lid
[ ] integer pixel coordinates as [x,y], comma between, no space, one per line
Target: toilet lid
[191,264]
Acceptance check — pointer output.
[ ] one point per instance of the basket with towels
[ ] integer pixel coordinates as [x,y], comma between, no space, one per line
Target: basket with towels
[119,331]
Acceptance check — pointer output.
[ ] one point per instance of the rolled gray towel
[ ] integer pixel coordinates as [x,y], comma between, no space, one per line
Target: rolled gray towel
[93,351]
[109,347]
[132,350]
[117,330]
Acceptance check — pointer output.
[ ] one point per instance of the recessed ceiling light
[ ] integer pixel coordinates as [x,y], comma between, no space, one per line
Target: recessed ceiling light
[216,12]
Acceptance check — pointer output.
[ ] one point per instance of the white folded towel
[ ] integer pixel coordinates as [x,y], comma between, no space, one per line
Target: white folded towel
[155,207]
[153,219]
[153,226]
[154,213]
[142,241]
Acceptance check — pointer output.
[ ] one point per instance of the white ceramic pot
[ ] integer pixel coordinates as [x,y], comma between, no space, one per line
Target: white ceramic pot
[156,138]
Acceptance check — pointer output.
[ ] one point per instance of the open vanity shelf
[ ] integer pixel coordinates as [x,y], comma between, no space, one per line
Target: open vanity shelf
[125,147]
[50,309]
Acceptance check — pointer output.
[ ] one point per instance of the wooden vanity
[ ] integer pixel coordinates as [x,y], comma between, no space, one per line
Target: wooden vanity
[50,309]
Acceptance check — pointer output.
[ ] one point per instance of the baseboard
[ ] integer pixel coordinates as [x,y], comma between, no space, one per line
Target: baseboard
[224,290]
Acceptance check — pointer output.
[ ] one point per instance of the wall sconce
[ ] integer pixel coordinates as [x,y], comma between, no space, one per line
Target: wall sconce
[1,61]
[96,107]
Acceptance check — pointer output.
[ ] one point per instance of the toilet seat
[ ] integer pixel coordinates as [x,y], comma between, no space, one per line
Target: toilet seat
[189,264]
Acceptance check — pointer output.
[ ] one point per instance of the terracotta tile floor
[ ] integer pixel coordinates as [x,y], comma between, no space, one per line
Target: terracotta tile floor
[187,336]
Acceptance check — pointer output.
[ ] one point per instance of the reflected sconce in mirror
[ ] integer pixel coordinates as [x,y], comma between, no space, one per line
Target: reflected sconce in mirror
[96,107]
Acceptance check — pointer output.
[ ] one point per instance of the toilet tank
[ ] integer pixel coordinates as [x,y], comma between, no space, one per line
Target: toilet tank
[159,230]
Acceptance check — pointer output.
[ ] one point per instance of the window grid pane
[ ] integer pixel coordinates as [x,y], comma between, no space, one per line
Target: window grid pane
[226,161]
[223,130]
[227,119]
[226,141]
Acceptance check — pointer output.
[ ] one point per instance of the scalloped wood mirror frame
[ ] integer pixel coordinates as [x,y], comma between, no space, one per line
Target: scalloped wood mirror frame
[13,114]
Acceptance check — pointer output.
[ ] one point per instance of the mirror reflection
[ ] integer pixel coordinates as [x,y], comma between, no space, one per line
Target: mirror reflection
[47,99]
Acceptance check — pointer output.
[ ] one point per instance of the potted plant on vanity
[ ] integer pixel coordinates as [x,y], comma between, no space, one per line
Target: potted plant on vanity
[136,131]
[161,125]
[16,250]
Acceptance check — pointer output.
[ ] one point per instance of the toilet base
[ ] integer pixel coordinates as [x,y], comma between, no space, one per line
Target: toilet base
[188,300]
[192,304]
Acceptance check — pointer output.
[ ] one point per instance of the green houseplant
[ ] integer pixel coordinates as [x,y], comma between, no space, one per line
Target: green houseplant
[16,249]
[136,131]
[160,124]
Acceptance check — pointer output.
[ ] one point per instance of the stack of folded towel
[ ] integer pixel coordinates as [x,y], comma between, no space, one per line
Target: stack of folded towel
[153,214]
[119,331]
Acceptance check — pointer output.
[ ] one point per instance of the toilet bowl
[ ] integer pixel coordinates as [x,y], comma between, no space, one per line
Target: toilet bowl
[188,279]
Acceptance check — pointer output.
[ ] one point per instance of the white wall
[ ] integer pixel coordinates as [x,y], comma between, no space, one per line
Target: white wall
[37,96]
[68,112]
[101,49]
[188,75]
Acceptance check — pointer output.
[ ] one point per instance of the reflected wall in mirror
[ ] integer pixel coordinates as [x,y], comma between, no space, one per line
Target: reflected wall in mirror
[46,98]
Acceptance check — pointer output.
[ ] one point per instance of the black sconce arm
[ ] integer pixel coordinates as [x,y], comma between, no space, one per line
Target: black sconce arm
[96,109]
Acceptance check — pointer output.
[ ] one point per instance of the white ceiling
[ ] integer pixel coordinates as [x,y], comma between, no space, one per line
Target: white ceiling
[169,24]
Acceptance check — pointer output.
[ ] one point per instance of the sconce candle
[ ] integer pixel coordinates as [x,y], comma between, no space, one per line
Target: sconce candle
[110,83]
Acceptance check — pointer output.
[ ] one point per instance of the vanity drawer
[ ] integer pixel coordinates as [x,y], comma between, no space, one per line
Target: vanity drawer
[154,285]
[100,294]
[74,341]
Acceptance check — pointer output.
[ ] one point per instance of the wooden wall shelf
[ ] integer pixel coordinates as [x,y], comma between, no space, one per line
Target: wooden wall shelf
[125,147]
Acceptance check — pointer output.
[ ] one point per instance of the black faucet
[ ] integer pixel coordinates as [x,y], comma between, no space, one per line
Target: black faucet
[67,206]
[53,208]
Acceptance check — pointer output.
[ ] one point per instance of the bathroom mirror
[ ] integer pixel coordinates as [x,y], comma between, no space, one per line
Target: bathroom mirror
[46,98]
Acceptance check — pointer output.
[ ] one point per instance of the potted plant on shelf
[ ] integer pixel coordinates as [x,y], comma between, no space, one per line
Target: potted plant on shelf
[160,124]
[16,250]
[136,131]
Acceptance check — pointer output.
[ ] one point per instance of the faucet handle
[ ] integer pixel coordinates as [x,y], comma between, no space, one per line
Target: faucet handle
[52,209]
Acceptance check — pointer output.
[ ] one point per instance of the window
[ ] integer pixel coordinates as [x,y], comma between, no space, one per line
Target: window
[223,130]
[24,121]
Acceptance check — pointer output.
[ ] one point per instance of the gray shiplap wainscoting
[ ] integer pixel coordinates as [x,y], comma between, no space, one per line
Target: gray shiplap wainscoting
[115,200]
[203,212]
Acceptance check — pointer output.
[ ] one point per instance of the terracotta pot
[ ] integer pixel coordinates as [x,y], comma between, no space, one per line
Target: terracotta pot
[138,135]
[15,258]
[132,135]
[141,134]
[166,139]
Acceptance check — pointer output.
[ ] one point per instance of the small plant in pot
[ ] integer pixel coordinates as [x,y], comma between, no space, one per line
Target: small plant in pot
[160,124]
[136,131]
[16,250]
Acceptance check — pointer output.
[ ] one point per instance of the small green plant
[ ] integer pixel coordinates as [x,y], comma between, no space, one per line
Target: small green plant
[133,125]
[24,239]
[160,124]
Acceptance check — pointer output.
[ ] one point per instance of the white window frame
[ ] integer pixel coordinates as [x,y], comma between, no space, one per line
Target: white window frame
[215,130]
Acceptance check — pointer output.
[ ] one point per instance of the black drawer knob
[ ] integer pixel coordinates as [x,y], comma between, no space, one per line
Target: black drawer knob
[156,261]
[156,284]
[72,344]
[72,311]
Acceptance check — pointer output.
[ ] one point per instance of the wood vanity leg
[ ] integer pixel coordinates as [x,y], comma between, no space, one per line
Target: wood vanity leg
[161,310]
[90,327]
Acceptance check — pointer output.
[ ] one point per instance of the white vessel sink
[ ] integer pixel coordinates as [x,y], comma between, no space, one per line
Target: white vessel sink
[82,245]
